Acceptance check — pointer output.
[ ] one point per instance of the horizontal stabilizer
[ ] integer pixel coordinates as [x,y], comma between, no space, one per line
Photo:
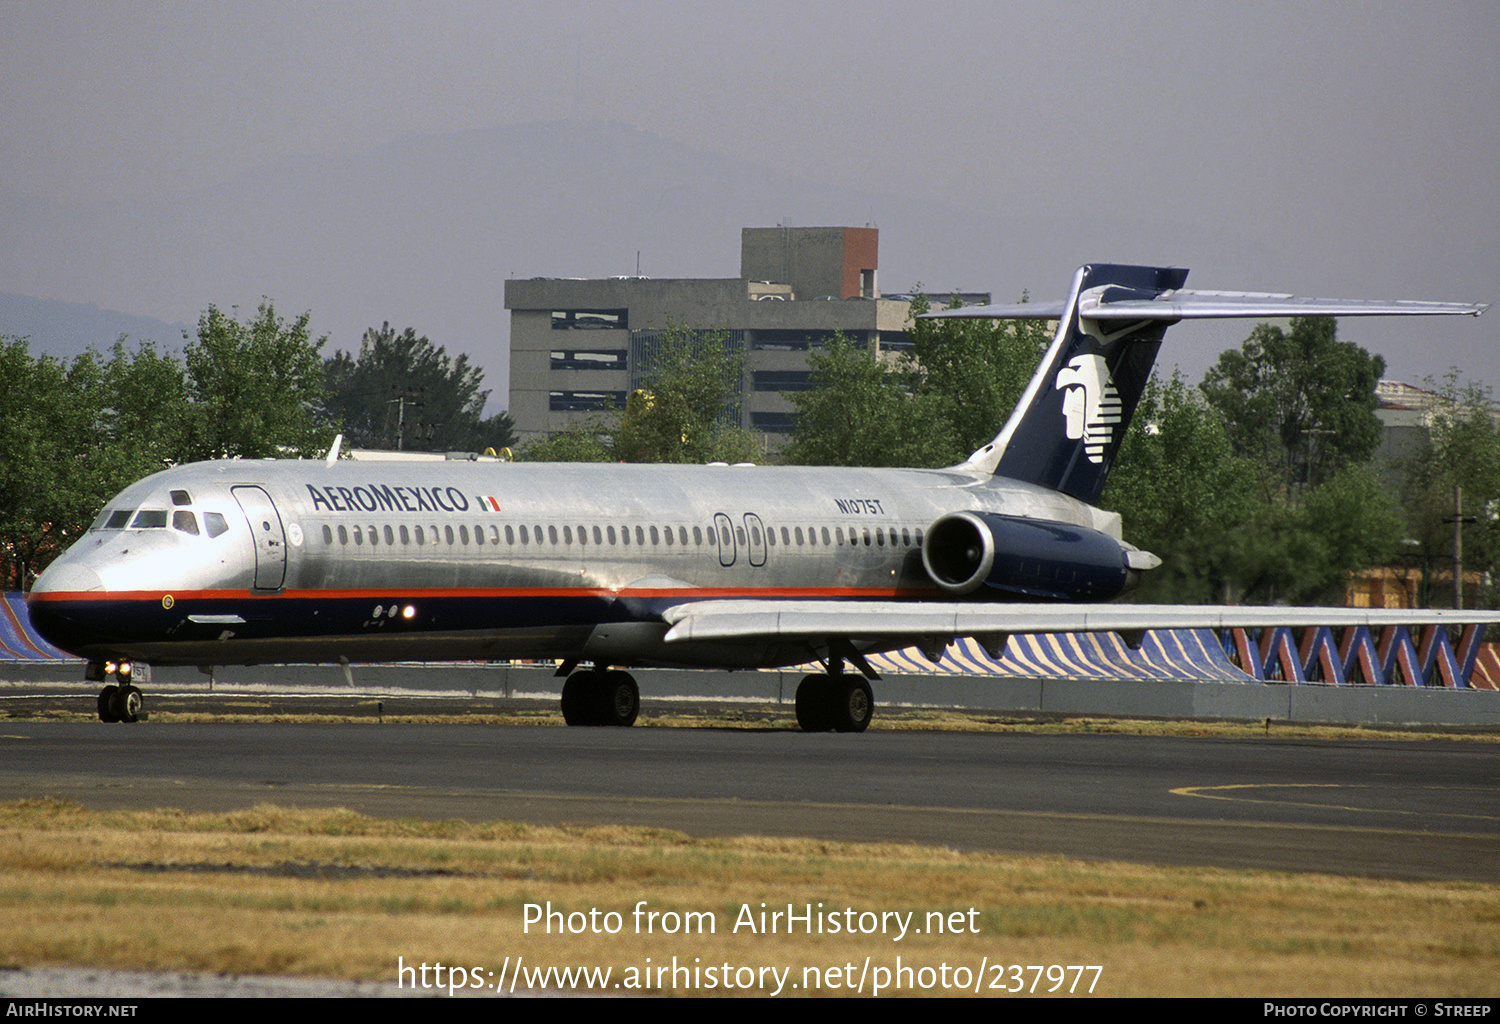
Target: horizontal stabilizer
[894,620]
[1112,303]
[1014,311]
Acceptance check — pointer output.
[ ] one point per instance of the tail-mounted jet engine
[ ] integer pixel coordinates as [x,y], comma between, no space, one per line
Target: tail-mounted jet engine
[1028,559]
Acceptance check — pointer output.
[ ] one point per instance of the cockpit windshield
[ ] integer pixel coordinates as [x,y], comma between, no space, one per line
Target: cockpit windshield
[182,520]
[113,519]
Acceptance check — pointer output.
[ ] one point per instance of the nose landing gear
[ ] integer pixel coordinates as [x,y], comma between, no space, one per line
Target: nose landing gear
[121,701]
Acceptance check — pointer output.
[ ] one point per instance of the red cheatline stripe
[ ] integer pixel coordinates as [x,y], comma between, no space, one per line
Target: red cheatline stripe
[691,593]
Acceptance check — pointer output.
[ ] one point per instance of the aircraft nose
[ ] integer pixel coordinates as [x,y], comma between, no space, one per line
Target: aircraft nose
[58,621]
[64,577]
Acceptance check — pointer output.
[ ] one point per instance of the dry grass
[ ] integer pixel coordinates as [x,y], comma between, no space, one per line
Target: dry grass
[338,894]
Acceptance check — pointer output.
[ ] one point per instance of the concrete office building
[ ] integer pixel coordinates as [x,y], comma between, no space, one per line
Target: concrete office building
[579,347]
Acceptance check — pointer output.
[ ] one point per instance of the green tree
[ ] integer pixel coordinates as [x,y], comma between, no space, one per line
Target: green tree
[863,412]
[930,407]
[1299,402]
[1456,473]
[254,387]
[401,391]
[583,443]
[1305,551]
[1182,494]
[147,409]
[38,494]
[72,437]
[688,408]
[974,370]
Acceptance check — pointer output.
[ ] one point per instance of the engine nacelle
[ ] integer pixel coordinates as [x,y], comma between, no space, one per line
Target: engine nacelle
[1024,559]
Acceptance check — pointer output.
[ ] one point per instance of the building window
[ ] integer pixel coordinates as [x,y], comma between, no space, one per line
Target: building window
[590,320]
[796,339]
[588,359]
[578,401]
[783,380]
[774,422]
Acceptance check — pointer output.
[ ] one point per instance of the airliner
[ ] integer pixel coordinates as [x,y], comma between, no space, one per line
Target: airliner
[607,567]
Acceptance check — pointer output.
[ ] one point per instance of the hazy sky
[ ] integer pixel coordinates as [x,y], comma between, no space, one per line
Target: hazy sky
[1359,141]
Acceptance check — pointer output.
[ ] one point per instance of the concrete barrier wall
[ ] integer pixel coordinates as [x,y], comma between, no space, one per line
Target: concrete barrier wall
[1310,703]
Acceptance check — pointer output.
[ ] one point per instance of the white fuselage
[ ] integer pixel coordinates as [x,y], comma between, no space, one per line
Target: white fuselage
[458,560]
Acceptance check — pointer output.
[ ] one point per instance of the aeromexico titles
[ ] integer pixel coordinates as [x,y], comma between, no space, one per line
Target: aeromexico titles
[606,567]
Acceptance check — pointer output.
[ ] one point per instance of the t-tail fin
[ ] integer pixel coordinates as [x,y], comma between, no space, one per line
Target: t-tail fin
[1069,424]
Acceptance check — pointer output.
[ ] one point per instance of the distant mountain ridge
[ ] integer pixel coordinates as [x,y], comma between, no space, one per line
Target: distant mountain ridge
[63,330]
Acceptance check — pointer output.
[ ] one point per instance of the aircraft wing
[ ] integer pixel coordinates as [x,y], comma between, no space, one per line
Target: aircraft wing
[1112,303]
[741,619]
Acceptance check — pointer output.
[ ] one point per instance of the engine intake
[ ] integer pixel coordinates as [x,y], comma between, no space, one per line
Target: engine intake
[1023,559]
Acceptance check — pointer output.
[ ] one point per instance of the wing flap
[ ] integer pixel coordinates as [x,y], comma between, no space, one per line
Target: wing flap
[789,620]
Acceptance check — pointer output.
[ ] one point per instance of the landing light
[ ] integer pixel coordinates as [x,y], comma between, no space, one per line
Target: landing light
[409,612]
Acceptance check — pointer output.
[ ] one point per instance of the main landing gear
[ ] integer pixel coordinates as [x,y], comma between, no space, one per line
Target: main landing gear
[121,701]
[834,702]
[600,697]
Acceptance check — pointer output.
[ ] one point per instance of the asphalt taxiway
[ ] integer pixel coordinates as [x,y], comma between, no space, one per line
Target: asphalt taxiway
[1407,809]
